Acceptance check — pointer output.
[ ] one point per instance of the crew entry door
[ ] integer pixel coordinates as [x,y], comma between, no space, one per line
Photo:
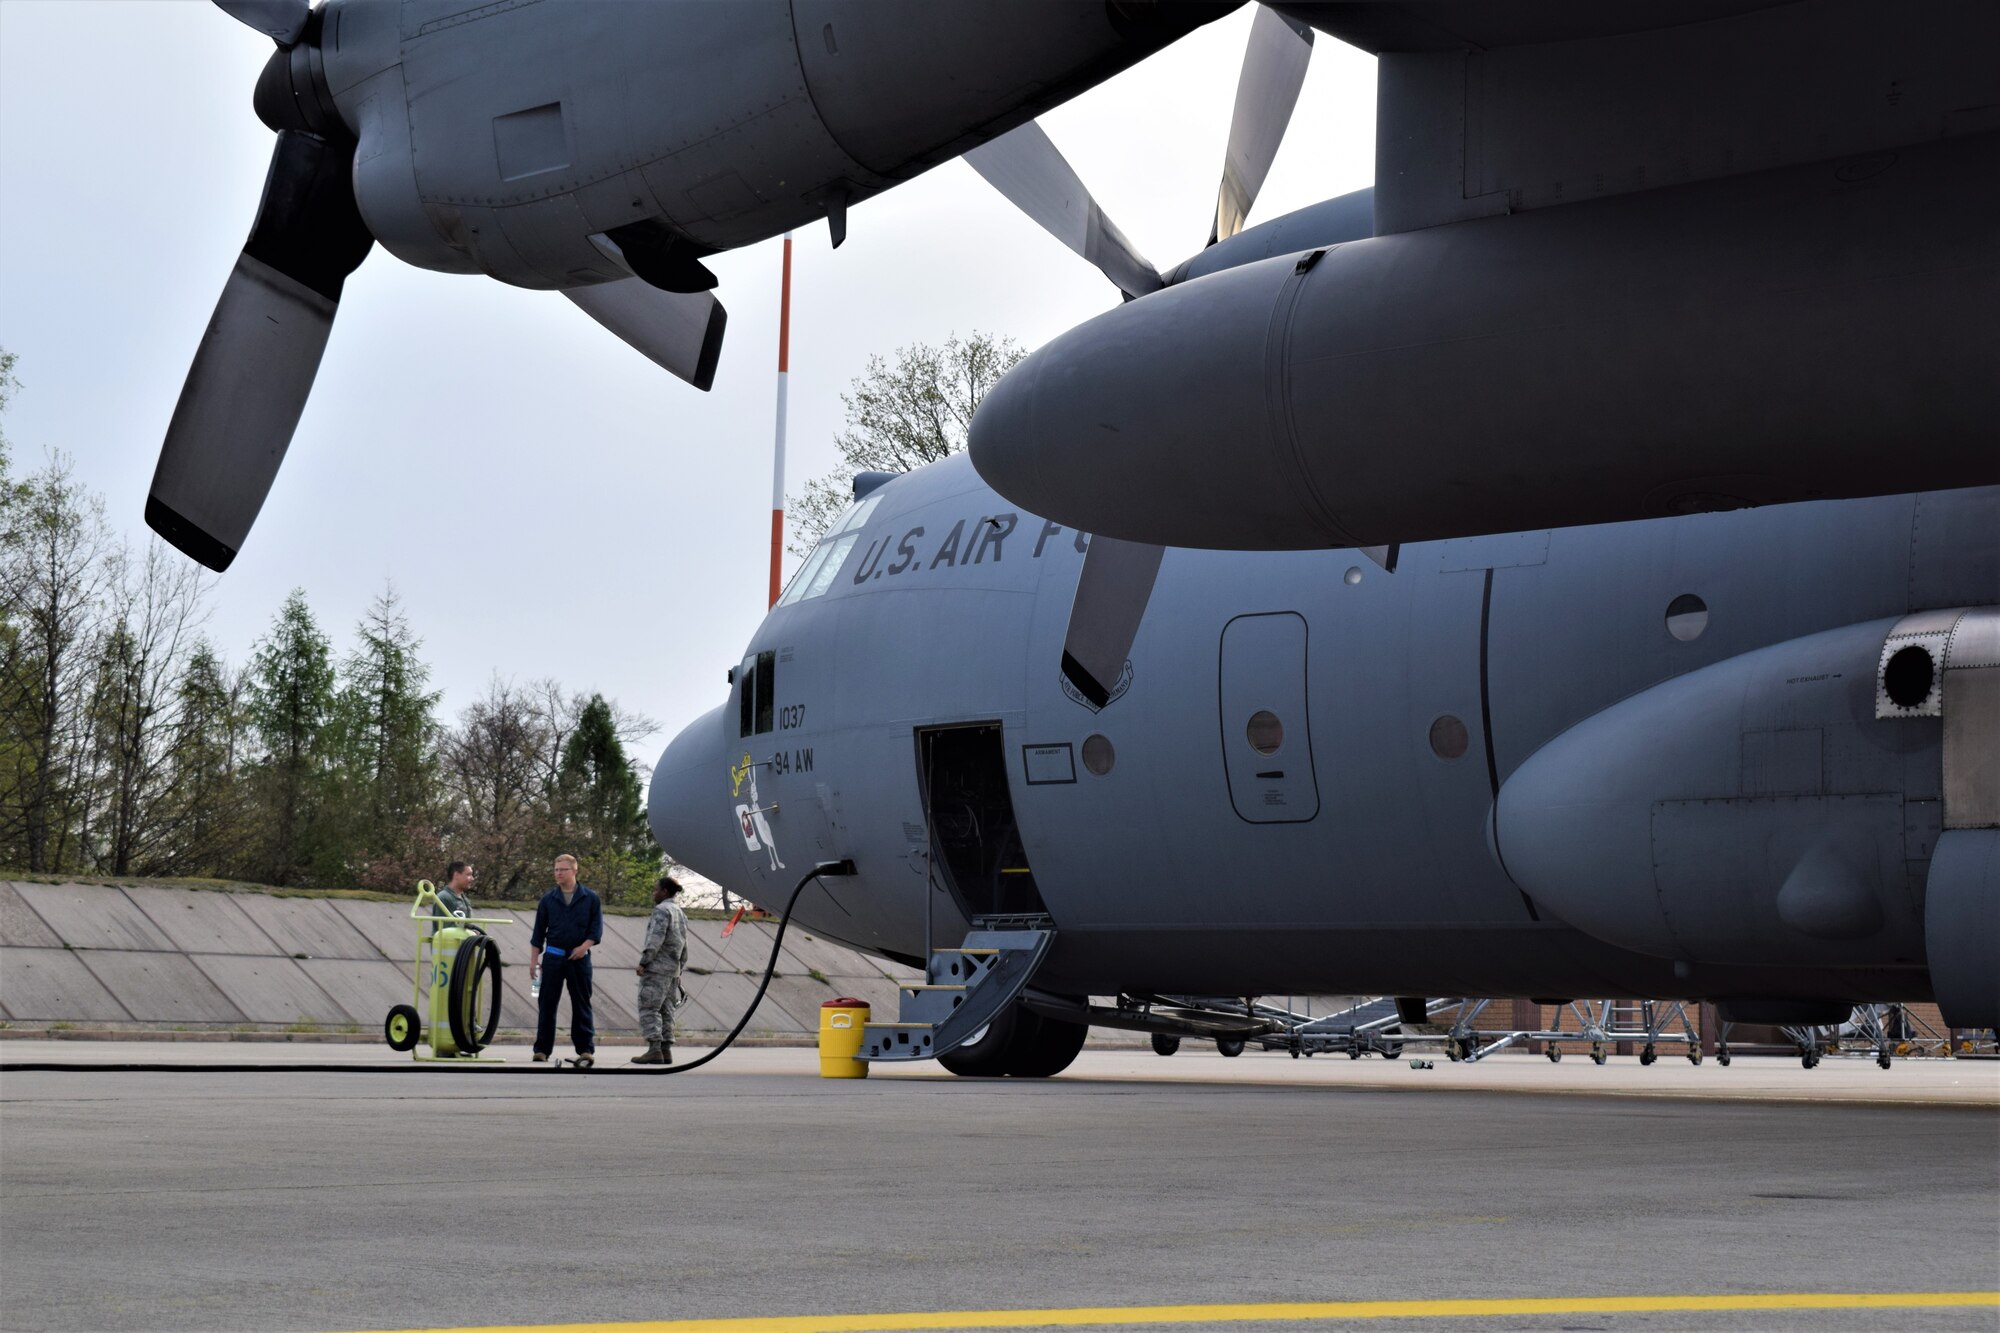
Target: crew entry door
[976,844]
[1266,743]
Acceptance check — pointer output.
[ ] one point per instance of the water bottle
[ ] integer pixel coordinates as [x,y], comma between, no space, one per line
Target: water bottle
[535,987]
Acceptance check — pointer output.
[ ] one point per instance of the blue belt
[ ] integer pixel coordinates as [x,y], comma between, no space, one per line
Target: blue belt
[550,948]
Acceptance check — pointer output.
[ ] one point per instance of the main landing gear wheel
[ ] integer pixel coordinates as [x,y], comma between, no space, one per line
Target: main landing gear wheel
[1018,1043]
[1164,1044]
[1229,1046]
[402,1028]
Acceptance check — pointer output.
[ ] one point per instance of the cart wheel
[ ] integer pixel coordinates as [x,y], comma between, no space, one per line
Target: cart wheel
[1808,1057]
[402,1028]
[1882,1057]
[1722,1057]
[1648,1055]
[1597,1055]
[1694,1055]
[1229,1046]
[1555,1054]
[1163,1044]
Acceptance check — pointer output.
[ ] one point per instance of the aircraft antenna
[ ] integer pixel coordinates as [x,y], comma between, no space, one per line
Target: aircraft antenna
[778,450]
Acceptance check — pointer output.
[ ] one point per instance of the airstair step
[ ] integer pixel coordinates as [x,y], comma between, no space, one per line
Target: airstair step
[995,965]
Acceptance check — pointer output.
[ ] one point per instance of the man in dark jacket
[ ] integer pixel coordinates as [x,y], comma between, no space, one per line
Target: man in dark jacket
[569,923]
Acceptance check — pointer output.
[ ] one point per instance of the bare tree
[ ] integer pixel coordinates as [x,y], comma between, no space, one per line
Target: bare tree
[154,606]
[53,590]
[901,415]
[494,772]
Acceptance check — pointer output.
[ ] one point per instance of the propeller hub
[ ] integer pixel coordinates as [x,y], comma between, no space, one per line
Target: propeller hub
[292,92]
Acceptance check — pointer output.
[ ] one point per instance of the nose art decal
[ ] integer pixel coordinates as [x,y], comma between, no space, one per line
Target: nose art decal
[750,814]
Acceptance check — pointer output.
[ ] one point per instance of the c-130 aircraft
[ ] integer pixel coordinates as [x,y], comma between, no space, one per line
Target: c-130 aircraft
[1718,757]
[1749,755]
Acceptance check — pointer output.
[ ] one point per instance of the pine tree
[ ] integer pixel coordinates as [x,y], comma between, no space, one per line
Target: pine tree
[600,798]
[385,735]
[205,825]
[290,700]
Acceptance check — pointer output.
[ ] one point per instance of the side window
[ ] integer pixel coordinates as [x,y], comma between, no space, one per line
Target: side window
[757,688]
[767,671]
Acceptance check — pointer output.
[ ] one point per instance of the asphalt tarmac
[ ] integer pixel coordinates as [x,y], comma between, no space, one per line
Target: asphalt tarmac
[284,1199]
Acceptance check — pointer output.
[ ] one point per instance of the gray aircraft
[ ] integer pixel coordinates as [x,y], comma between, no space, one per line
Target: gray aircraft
[1750,757]
[1620,261]
[603,150]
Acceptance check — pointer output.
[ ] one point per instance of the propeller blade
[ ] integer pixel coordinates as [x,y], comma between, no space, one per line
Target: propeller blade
[255,366]
[1274,69]
[280,20]
[1027,168]
[1111,596]
[679,332]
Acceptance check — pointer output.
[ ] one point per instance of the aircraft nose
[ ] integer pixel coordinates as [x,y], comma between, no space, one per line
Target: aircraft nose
[687,802]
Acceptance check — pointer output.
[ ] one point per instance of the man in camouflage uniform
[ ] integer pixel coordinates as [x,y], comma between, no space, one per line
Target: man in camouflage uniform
[660,964]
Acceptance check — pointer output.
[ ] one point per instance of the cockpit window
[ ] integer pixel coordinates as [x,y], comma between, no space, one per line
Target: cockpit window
[820,569]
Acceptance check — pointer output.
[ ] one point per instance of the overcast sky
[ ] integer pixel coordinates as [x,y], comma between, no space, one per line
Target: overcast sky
[546,501]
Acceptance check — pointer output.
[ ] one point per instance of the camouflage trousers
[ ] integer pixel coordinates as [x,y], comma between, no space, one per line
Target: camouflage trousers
[659,997]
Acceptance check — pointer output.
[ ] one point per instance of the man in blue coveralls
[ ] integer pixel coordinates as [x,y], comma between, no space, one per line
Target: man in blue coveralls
[569,923]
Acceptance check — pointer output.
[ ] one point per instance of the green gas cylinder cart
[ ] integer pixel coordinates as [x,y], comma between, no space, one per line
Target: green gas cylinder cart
[455,990]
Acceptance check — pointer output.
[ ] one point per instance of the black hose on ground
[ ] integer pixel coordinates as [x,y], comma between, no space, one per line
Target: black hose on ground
[770,968]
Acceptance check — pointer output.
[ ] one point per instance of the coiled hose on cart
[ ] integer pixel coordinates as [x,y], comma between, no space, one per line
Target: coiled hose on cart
[770,968]
[475,974]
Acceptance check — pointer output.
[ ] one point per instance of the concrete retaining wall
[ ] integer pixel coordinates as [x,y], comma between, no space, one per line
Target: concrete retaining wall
[83,955]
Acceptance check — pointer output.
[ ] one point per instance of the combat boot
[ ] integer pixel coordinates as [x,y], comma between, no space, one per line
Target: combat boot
[654,1055]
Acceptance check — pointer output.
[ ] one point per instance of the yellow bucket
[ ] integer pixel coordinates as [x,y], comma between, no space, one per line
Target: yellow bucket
[840,1025]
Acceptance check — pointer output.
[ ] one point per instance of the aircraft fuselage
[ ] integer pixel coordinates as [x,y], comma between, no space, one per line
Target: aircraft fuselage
[1305,755]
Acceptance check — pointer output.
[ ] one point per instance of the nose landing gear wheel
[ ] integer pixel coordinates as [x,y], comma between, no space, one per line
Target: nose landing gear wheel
[402,1028]
[1018,1042]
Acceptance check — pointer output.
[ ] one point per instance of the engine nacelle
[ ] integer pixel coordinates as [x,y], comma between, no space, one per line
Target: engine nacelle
[1755,811]
[501,138]
[1815,332]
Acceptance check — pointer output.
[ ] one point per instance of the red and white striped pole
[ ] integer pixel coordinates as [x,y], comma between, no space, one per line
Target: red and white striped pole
[778,458]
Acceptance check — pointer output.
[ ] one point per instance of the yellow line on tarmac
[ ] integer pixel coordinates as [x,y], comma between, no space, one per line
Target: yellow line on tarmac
[1289,1310]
